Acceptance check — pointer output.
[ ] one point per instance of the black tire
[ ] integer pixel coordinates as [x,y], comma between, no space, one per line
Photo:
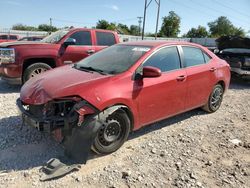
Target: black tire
[215,99]
[113,133]
[34,69]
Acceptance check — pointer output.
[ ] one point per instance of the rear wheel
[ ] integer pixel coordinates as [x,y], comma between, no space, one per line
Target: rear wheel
[215,99]
[34,69]
[113,133]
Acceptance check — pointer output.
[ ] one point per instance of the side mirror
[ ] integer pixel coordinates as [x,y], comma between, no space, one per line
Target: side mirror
[69,41]
[151,72]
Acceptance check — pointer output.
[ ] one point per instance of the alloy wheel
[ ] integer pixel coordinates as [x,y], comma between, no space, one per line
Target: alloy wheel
[37,71]
[216,98]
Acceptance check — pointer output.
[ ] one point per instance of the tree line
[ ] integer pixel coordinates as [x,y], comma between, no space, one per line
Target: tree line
[170,27]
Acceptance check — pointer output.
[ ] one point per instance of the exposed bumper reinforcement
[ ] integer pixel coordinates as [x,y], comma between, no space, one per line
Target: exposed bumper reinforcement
[240,71]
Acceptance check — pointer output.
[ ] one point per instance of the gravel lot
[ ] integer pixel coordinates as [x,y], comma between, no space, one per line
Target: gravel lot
[194,149]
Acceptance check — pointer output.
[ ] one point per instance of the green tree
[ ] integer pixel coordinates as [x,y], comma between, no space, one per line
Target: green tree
[199,32]
[24,27]
[149,34]
[134,30]
[46,27]
[102,24]
[123,29]
[239,32]
[112,26]
[170,25]
[222,26]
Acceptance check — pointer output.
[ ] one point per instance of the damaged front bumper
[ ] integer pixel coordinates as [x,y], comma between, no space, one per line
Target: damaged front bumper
[78,122]
[38,119]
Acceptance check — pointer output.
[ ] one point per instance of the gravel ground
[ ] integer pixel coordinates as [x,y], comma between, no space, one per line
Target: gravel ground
[194,149]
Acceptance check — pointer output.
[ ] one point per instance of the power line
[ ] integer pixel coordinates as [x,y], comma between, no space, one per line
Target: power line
[202,11]
[88,23]
[215,10]
[189,7]
[70,21]
[235,10]
[124,20]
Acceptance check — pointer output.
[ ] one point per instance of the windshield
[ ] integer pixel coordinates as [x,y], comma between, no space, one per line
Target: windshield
[115,59]
[55,37]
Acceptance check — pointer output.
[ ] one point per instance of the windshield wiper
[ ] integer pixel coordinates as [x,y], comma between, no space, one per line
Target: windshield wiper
[89,69]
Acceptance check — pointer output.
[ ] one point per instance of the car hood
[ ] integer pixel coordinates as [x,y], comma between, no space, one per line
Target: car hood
[60,82]
[18,43]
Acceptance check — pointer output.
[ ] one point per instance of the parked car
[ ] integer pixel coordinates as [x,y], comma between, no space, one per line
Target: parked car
[8,38]
[238,59]
[21,60]
[98,101]
[236,51]
[33,38]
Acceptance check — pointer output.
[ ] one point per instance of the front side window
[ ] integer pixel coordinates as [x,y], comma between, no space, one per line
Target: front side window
[105,38]
[82,37]
[13,37]
[192,56]
[166,59]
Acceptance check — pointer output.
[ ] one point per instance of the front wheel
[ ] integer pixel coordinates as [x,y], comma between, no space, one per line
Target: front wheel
[34,69]
[215,99]
[113,133]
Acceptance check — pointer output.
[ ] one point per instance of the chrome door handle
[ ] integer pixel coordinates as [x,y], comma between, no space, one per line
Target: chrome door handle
[181,78]
[212,69]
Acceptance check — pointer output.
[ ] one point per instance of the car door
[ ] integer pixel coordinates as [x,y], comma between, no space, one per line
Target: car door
[82,49]
[200,75]
[163,96]
[104,40]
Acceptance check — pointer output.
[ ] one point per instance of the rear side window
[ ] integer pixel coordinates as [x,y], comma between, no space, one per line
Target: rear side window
[166,59]
[206,57]
[105,38]
[13,37]
[192,56]
[82,37]
[4,37]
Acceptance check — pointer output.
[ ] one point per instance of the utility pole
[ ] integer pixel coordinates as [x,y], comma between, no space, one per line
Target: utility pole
[139,21]
[157,21]
[144,17]
[50,22]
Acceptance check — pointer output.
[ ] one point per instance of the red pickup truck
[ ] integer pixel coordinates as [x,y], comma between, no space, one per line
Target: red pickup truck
[19,61]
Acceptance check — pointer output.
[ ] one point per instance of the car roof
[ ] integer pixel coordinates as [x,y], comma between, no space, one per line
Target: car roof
[158,43]
[90,29]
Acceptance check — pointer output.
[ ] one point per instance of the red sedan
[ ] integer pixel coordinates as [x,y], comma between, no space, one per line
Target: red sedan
[98,101]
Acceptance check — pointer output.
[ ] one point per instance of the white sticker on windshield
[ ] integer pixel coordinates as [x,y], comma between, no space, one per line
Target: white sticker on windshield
[141,49]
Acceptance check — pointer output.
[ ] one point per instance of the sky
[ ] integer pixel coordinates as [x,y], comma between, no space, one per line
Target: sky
[80,13]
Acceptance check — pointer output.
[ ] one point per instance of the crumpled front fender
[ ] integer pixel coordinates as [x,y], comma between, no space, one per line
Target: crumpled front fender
[78,145]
